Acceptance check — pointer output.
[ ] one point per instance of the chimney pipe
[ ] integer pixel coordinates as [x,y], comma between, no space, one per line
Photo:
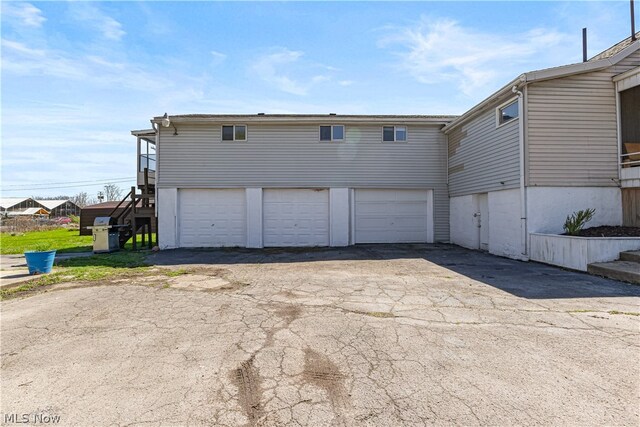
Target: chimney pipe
[584,45]
[633,21]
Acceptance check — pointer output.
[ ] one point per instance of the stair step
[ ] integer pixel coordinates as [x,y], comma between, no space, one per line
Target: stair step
[627,271]
[630,256]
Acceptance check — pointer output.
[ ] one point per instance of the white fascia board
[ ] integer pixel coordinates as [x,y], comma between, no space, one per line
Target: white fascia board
[313,120]
[626,74]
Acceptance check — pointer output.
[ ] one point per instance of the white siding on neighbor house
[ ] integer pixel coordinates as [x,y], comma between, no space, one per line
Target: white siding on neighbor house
[483,157]
[572,129]
[291,156]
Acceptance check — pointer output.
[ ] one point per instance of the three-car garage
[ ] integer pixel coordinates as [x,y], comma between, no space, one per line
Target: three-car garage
[304,217]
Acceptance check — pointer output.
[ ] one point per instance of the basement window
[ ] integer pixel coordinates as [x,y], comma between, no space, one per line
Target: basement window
[394,133]
[234,132]
[332,133]
[508,112]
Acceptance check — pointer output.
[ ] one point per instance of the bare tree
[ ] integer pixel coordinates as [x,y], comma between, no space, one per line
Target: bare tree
[112,192]
[81,199]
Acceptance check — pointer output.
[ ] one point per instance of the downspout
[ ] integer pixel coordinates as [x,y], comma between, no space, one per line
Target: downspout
[523,191]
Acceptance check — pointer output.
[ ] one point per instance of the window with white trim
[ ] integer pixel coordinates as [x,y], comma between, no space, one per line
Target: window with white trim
[508,112]
[332,133]
[234,132]
[394,133]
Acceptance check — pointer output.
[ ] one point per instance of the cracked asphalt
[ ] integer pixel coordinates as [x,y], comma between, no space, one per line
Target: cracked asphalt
[363,336]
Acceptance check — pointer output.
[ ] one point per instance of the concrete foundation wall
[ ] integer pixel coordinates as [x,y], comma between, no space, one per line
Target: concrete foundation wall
[339,210]
[505,233]
[548,207]
[464,226]
[167,217]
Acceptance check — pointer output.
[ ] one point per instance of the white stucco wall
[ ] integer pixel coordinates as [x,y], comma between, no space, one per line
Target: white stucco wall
[254,217]
[548,207]
[463,225]
[339,216]
[505,235]
[167,217]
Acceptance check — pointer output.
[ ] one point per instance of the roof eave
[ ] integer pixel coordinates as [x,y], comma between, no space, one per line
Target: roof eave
[308,120]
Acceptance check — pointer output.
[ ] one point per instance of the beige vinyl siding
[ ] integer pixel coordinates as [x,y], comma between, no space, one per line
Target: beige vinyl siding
[291,156]
[483,157]
[572,129]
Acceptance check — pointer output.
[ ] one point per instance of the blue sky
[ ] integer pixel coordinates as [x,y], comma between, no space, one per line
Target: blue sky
[78,76]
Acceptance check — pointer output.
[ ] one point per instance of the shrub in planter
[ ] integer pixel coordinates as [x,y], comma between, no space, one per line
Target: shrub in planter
[576,221]
[40,259]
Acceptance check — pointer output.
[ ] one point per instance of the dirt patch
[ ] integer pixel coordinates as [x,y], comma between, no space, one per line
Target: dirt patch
[247,380]
[320,371]
[609,231]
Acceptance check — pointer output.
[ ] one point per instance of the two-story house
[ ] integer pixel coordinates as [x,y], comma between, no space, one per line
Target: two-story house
[547,144]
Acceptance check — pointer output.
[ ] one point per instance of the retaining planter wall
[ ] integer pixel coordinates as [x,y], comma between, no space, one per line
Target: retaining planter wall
[578,252]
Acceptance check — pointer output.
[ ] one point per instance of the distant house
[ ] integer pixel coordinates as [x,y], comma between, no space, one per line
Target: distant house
[18,204]
[58,208]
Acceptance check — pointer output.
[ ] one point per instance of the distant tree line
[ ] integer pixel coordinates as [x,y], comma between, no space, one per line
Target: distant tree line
[110,192]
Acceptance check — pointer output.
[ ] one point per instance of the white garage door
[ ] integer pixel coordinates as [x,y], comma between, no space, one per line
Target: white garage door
[212,218]
[296,217]
[391,216]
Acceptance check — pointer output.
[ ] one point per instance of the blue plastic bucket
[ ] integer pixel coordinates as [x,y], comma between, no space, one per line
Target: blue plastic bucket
[40,262]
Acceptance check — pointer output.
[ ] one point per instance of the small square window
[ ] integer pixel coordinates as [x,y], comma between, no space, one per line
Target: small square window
[227,133]
[234,133]
[325,133]
[508,112]
[388,133]
[338,133]
[332,133]
[241,133]
[394,133]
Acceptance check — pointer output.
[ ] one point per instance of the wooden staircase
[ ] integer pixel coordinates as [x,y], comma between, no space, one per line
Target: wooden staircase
[138,216]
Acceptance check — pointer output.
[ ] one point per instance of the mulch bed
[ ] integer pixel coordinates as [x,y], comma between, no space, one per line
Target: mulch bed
[610,231]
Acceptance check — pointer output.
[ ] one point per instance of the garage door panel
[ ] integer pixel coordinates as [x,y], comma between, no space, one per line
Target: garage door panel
[296,217]
[391,216]
[212,218]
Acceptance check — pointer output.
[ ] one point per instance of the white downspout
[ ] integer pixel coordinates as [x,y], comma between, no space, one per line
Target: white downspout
[523,190]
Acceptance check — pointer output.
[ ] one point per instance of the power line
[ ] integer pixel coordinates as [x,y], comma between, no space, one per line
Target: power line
[66,186]
[72,182]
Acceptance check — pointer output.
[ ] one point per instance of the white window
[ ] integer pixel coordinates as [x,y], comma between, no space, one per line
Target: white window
[234,132]
[394,133]
[332,133]
[507,112]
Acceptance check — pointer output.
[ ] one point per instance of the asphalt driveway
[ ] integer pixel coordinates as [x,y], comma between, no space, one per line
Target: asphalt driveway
[371,335]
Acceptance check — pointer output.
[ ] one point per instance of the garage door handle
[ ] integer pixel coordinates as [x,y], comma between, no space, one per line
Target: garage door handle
[212,225]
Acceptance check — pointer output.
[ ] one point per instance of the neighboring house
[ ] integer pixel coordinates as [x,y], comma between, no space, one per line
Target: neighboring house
[89,213]
[547,144]
[59,208]
[17,204]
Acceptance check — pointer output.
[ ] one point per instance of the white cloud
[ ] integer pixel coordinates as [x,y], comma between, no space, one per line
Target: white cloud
[286,70]
[218,57]
[442,51]
[26,13]
[21,59]
[91,16]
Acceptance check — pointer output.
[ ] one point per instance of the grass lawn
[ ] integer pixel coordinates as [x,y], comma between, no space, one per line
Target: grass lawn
[61,239]
[86,269]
